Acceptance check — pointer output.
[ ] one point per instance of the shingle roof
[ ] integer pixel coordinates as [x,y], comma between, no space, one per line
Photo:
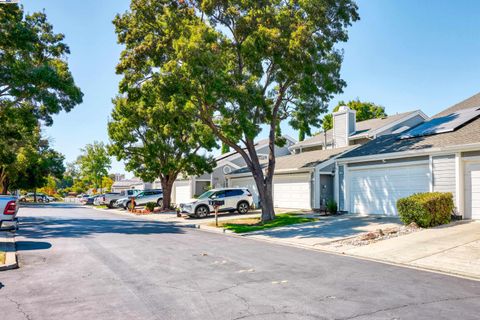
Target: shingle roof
[363,128]
[127,182]
[258,144]
[468,134]
[302,160]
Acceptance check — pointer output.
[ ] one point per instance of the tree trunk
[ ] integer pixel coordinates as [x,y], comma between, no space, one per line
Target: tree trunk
[167,186]
[264,187]
[4,183]
[5,186]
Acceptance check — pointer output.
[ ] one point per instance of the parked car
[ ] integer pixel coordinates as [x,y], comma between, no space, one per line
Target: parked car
[98,200]
[30,197]
[142,198]
[111,198]
[8,213]
[91,200]
[84,198]
[236,199]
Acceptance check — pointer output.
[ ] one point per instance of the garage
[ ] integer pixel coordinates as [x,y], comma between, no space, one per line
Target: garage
[182,191]
[375,190]
[472,190]
[246,182]
[292,191]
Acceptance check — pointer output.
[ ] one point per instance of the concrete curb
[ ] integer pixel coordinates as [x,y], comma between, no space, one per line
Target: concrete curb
[213,229]
[8,245]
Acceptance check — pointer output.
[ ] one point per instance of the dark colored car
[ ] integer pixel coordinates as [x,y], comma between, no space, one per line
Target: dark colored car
[91,200]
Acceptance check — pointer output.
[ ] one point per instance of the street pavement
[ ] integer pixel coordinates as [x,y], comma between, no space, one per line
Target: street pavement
[79,263]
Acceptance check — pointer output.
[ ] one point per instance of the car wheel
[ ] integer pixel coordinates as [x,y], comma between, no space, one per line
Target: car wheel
[202,211]
[111,204]
[243,207]
[160,203]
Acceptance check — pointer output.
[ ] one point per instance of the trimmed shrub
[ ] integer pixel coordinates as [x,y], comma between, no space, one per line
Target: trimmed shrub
[150,206]
[427,209]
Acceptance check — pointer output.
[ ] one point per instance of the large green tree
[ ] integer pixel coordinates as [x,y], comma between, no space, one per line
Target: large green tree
[35,163]
[35,83]
[245,65]
[94,163]
[159,140]
[365,111]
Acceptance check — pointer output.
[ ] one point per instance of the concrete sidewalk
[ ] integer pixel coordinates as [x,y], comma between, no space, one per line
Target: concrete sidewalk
[454,248]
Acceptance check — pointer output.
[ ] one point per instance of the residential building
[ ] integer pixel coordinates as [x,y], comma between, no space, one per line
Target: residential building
[442,154]
[134,183]
[305,179]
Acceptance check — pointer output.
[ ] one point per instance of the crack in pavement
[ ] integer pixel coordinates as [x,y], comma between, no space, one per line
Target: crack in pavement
[406,305]
[19,308]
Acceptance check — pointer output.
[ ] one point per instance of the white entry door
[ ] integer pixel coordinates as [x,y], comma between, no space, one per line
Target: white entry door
[472,190]
[292,191]
[375,190]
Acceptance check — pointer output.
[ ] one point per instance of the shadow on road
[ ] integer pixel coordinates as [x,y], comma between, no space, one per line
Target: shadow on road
[32,245]
[46,227]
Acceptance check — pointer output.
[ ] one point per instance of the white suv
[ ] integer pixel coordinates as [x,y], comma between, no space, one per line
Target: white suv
[236,199]
[142,198]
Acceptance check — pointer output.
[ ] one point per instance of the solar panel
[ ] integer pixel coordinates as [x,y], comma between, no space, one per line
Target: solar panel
[443,124]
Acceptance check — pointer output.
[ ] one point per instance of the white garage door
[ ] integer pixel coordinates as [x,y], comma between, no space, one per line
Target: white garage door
[182,191]
[292,191]
[248,183]
[376,190]
[472,190]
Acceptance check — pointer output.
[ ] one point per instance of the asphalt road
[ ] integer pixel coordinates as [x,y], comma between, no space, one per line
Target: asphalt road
[78,263]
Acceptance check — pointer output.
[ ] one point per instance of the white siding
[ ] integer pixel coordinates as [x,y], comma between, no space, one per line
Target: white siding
[444,174]
[340,130]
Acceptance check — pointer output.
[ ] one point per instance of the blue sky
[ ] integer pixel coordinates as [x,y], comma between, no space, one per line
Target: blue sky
[404,55]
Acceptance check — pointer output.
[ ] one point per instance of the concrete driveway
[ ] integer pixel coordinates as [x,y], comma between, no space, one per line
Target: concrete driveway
[453,248]
[326,230]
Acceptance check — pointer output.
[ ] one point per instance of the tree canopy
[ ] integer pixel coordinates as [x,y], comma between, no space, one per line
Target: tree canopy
[34,71]
[365,111]
[159,140]
[245,66]
[94,163]
[35,83]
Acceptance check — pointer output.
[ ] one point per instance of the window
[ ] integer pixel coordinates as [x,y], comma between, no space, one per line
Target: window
[234,193]
[219,195]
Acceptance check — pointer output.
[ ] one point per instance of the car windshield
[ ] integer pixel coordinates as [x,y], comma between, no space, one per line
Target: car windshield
[206,194]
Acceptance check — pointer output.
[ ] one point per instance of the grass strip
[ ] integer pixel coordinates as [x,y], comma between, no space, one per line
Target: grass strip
[255,224]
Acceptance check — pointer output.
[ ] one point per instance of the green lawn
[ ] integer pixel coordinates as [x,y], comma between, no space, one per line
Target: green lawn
[254,224]
[2,257]
[101,206]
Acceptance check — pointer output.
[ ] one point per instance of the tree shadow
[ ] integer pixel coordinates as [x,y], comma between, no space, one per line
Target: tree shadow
[32,245]
[45,227]
[328,227]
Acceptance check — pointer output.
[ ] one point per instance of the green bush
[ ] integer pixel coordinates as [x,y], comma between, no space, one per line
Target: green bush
[427,209]
[332,206]
[150,206]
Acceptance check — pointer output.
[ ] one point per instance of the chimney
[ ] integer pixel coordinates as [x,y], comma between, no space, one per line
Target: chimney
[344,121]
